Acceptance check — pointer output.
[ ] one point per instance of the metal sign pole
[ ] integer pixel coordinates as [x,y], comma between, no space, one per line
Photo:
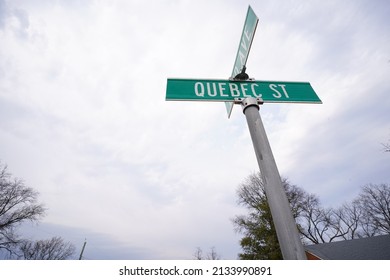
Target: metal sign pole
[286,228]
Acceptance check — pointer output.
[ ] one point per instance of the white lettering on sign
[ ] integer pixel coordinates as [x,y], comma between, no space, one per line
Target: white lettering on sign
[254,92]
[222,89]
[234,90]
[277,93]
[244,44]
[247,34]
[243,51]
[209,89]
[243,88]
[199,89]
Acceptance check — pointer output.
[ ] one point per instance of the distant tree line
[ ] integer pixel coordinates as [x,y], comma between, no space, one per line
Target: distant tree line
[367,215]
[19,204]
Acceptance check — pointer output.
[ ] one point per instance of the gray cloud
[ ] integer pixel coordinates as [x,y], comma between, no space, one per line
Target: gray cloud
[84,120]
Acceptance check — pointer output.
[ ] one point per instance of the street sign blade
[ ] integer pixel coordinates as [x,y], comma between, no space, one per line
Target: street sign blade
[244,47]
[246,40]
[230,90]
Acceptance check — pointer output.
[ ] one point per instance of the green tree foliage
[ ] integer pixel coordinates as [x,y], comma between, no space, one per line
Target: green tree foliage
[259,241]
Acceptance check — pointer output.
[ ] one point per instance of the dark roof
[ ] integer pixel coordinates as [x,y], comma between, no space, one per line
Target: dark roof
[370,248]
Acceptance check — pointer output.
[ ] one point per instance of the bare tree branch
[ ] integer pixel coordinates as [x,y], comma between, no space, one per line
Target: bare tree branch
[51,249]
[18,203]
[375,204]
[386,147]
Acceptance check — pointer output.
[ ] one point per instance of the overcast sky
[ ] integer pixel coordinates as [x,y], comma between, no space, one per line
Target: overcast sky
[84,121]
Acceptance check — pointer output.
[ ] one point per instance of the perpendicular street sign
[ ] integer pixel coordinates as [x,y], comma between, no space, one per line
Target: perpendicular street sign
[231,90]
[244,47]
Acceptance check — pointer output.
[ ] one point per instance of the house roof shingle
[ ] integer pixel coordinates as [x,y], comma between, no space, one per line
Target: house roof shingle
[370,248]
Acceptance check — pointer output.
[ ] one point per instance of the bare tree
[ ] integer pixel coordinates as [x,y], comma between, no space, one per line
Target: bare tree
[18,203]
[386,147]
[198,254]
[366,216]
[374,202]
[347,220]
[50,249]
[313,221]
[212,255]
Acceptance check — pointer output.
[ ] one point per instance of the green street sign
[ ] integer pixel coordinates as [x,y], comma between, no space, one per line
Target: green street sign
[247,35]
[248,32]
[230,90]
